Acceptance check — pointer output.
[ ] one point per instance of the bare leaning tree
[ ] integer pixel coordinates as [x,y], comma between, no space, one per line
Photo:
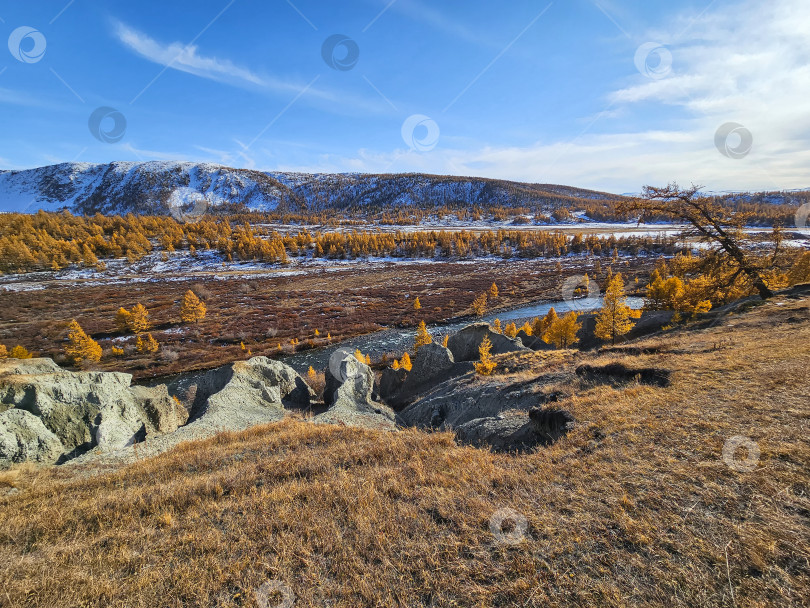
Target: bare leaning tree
[710,221]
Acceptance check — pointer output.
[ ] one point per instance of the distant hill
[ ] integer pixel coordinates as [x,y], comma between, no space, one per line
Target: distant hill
[155,187]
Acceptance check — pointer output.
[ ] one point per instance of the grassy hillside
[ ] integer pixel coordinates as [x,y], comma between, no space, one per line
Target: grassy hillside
[635,506]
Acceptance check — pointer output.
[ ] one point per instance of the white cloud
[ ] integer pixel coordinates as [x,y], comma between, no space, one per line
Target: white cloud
[747,62]
[436,19]
[185,58]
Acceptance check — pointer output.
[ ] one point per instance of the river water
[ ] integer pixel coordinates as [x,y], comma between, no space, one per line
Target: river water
[398,340]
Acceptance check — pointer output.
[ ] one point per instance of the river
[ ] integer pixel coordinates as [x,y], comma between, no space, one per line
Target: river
[398,340]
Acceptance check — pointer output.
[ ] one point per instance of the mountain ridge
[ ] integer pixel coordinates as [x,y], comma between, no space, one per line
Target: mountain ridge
[160,187]
[156,186]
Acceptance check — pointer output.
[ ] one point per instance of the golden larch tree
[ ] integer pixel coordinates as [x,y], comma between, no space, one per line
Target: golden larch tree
[80,346]
[123,319]
[139,320]
[493,291]
[423,337]
[541,325]
[147,345]
[192,309]
[800,270]
[485,365]
[417,304]
[479,305]
[405,363]
[510,331]
[712,222]
[563,331]
[3,351]
[496,326]
[614,318]
[20,352]
[675,294]
[89,258]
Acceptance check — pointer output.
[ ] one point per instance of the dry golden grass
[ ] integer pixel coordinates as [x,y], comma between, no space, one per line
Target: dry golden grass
[635,507]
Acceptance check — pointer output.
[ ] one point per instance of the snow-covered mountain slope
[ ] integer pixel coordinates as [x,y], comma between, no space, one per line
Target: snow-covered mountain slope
[124,187]
[154,187]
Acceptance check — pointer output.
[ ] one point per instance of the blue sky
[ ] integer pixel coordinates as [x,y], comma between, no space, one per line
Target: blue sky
[607,94]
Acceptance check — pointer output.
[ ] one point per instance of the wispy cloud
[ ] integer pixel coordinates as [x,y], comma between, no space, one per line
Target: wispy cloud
[185,58]
[428,15]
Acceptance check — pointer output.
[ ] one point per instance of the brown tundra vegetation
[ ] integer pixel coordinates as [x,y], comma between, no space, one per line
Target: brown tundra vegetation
[647,501]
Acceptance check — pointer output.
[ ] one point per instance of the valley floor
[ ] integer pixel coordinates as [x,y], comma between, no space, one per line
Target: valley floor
[265,308]
[646,502]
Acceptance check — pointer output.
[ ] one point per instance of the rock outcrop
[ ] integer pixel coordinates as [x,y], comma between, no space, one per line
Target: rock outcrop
[391,382]
[620,373]
[23,437]
[533,342]
[650,322]
[245,393]
[349,396]
[517,432]
[82,410]
[432,365]
[430,362]
[464,343]
[164,412]
[465,398]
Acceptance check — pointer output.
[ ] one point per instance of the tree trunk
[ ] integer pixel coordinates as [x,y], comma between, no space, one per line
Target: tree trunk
[762,288]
